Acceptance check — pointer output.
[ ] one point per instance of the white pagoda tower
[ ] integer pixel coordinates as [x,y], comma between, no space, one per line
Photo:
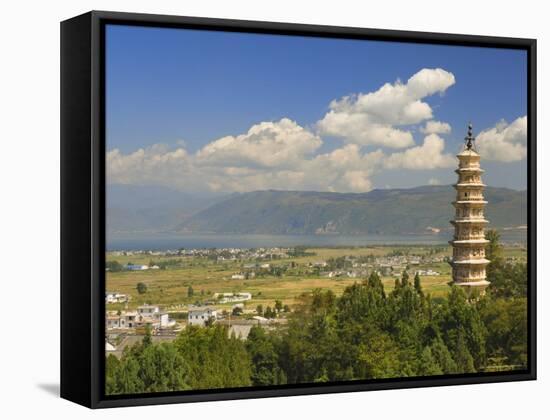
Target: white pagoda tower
[469,263]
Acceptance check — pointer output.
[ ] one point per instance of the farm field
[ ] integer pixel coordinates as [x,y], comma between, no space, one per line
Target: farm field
[170,287]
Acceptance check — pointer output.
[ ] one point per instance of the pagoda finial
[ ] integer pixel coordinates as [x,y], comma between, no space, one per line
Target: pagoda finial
[469,138]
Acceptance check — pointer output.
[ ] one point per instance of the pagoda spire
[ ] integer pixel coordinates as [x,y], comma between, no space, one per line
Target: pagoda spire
[469,262]
[469,139]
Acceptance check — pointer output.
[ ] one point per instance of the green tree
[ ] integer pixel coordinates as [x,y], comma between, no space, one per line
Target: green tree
[506,322]
[417,285]
[493,249]
[147,338]
[462,355]
[278,306]
[262,351]
[215,359]
[443,356]
[404,279]
[141,288]
[269,313]
[260,310]
[428,364]
[190,292]
[113,266]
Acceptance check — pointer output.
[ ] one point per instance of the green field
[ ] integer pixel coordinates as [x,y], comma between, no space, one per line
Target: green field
[169,287]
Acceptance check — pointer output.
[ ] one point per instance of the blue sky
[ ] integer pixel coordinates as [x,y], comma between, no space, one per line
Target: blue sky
[187,88]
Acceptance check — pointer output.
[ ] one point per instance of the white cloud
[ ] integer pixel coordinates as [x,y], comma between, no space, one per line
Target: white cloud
[427,156]
[150,166]
[374,118]
[267,144]
[269,156]
[436,127]
[504,142]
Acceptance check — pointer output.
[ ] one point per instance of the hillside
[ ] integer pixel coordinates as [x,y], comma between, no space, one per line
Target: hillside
[389,211]
[133,208]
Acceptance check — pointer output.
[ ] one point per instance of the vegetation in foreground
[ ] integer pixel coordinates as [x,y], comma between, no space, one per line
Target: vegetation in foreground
[365,333]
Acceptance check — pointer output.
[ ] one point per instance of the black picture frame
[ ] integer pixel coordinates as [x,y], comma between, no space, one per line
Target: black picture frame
[83,209]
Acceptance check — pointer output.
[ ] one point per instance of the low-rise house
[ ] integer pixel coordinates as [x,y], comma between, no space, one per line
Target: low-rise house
[145,315]
[238,277]
[428,272]
[148,310]
[232,297]
[200,315]
[122,320]
[115,297]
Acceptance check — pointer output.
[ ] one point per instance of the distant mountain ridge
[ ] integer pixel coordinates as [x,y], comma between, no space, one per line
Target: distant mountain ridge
[140,208]
[382,211]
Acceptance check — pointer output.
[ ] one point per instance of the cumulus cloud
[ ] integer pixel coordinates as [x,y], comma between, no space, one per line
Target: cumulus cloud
[267,144]
[429,155]
[504,142]
[271,155]
[375,118]
[436,127]
[155,165]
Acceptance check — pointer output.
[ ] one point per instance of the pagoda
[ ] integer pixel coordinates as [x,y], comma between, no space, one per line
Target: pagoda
[469,262]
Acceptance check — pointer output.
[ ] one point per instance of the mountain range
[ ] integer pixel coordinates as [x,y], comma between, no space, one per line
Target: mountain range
[382,211]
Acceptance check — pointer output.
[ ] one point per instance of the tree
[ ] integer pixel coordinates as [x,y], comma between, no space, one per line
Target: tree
[462,355]
[269,312]
[404,279]
[443,356]
[493,250]
[113,266]
[260,310]
[264,357]
[286,308]
[278,306]
[237,310]
[141,288]
[428,364]
[190,291]
[214,359]
[147,339]
[506,322]
[463,330]
[375,283]
[417,285]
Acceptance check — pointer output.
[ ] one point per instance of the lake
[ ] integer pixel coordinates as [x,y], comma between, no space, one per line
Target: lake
[163,241]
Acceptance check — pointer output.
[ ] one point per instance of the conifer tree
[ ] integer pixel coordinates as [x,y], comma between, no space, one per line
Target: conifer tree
[417,285]
[405,279]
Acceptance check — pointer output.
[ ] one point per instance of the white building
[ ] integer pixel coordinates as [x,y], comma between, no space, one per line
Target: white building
[233,297]
[115,297]
[145,315]
[199,315]
[148,310]
[122,321]
[238,277]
